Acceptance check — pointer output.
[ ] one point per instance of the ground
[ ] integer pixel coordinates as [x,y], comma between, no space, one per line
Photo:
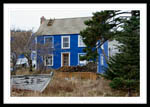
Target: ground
[77,87]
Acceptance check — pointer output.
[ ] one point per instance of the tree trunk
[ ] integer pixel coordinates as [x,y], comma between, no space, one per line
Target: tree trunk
[30,65]
[29,62]
[14,65]
[14,69]
[129,92]
[106,58]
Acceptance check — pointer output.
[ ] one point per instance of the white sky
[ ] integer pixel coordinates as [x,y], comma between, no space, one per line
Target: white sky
[28,19]
[27,16]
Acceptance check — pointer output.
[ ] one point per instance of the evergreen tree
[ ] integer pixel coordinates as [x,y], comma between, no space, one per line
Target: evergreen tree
[101,27]
[125,65]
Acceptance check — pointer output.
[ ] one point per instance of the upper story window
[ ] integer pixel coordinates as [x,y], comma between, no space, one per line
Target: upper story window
[80,42]
[65,40]
[49,41]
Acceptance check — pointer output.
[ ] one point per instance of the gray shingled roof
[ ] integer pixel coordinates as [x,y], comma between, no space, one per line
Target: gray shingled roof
[63,26]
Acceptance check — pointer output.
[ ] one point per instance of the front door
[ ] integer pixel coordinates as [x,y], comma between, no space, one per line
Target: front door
[65,59]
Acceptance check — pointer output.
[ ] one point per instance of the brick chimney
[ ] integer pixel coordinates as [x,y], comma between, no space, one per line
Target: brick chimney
[42,19]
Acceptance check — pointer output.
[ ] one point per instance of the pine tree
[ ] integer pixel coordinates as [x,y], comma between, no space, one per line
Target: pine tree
[125,65]
[101,27]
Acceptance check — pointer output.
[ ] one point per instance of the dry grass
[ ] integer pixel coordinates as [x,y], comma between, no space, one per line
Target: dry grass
[25,71]
[76,88]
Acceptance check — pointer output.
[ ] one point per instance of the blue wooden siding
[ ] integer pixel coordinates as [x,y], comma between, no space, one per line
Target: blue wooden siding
[74,51]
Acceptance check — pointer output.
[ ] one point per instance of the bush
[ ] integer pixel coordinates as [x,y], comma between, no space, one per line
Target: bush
[90,67]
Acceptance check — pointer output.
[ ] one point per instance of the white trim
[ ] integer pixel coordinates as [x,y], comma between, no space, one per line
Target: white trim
[78,57]
[61,57]
[52,60]
[102,59]
[79,45]
[102,46]
[62,42]
[52,40]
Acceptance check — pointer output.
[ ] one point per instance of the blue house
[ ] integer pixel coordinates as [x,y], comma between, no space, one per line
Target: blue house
[66,42]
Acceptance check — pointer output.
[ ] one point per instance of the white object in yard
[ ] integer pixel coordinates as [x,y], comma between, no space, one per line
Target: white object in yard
[21,61]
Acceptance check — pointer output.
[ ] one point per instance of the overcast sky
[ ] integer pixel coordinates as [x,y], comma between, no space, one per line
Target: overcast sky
[28,19]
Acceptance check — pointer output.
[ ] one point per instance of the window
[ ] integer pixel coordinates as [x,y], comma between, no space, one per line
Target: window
[48,60]
[49,41]
[80,42]
[65,42]
[102,60]
[81,62]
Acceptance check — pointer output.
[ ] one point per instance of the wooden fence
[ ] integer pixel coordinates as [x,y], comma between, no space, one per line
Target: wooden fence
[76,75]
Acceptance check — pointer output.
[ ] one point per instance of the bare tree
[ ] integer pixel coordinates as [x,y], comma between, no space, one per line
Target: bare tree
[16,47]
[25,44]
[43,50]
[22,43]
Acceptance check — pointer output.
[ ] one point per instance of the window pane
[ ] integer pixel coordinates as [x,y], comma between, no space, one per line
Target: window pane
[65,42]
[49,41]
[66,45]
[81,43]
[48,60]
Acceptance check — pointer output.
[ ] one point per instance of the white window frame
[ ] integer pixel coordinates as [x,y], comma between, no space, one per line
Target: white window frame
[52,60]
[52,40]
[62,58]
[62,47]
[79,57]
[102,59]
[79,45]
